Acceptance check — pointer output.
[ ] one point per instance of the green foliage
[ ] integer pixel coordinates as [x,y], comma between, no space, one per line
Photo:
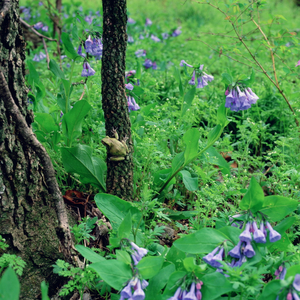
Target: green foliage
[82,231]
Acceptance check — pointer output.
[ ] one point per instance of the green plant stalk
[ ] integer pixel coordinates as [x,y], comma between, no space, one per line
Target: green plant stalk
[70,84]
[186,163]
[137,227]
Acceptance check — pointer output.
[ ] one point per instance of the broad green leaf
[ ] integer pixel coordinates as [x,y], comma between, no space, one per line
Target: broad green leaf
[161,176]
[227,79]
[113,272]
[33,74]
[89,254]
[115,209]
[214,134]
[72,121]
[79,160]
[173,282]
[292,271]
[138,90]
[150,266]
[232,233]
[215,158]
[9,285]
[202,241]
[191,183]
[123,256]
[180,215]
[221,115]
[271,290]
[285,224]
[254,197]
[54,68]
[178,79]
[70,51]
[158,282]
[214,285]
[177,162]
[125,227]
[191,141]
[189,264]
[282,245]
[277,207]
[175,256]
[46,122]
[187,100]
[138,73]
[44,290]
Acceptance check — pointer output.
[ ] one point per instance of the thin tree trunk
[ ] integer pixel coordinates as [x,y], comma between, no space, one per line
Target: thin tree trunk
[33,216]
[114,102]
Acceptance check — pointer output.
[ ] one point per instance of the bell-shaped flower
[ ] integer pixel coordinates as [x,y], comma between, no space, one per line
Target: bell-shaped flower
[198,295]
[246,235]
[191,294]
[184,63]
[38,25]
[79,51]
[87,70]
[240,261]
[130,39]
[126,292]
[258,235]
[165,35]
[282,273]
[208,258]
[129,86]
[132,105]
[296,282]
[236,251]
[289,296]
[148,22]
[45,28]
[176,32]
[252,98]
[192,81]
[138,294]
[136,258]
[141,251]
[38,57]
[154,38]
[176,295]
[140,53]
[97,48]
[262,228]
[131,21]
[274,236]
[218,257]
[148,63]
[295,296]
[248,250]
[88,45]
[201,82]
[144,284]
[154,66]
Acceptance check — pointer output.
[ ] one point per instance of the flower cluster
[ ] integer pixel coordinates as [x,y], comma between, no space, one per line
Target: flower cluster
[140,53]
[134,289]
[148,22]
[87,70]
[193,294]
[150,64]
[202,77]
[154,38]
[132,105]
[280,272]
[93,47]
[176,32]
[293,289]
[237,100]
[38,57]
[40,25]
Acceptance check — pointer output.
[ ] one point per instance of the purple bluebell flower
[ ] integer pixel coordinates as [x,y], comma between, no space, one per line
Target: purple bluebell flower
[89,19]
[144,284]
[191,294]
[39,56]
[88,45]
[215,260]
[274,236]
[45,28]
[248,250]
[282,273]
[148,63]
[183,62]
[201,82]
[192,81]
[148,22]
[176,295]
[79,51]
[296,282]
[262,228]
[63,56]
[87,70]
[140,53]
[154,38]
[236,251]
[40,3]
[129,86]
[258,235]
[126,292]
[38,25]
[130,39]
[246,235]
[141,251]
[176,32]
[154,66]
[138,294]
[295,296]
[165,35]
[131,21]
[208,258]
[141,37]
[97,48]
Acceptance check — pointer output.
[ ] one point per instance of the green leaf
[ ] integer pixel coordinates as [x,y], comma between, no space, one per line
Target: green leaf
[175,256]
[271,290]
[180,215]
[54,68]
[114,272]
[227,78]
[202,241]
[115,209]
[277,207]
[138,73]
[214,134]
[189,264]
[173,283]
[9,285]
[221,115]
[178,79]
[72,121]
[232,233]
[150,266]
[123,256]
[177,162]
[158,282]
[125,227]
[79,160]
[191,141]
[292,271]
[254,198]
[137,90]
[89,254]
[70,51]
[187,100]
[215,158]
[46,122]
[44,290]
[191,183]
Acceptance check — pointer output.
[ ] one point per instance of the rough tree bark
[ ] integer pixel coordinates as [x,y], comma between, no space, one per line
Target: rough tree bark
[33,216]
[114,103]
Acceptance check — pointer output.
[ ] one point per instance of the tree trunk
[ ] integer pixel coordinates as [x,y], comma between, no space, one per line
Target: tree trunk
[114,103]
[33,216]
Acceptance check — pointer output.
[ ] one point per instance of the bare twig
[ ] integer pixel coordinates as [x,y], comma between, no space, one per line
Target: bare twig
[47,54]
